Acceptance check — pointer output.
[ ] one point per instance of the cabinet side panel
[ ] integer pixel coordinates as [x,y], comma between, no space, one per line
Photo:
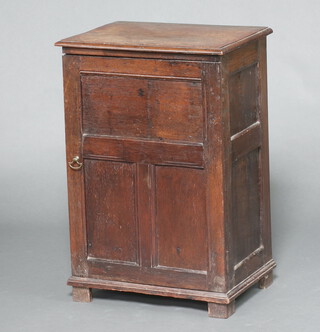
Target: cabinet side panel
[245,205]
[265,174]
[243,94]
[246,135]
[110,210]
[243,99]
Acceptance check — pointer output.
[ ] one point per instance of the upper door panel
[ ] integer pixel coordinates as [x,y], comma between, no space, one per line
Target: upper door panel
[159,105]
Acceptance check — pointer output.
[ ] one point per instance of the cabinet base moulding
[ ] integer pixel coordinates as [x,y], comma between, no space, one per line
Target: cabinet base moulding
[82,290]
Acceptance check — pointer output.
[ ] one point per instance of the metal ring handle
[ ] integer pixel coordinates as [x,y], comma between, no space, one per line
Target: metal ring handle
[75,163]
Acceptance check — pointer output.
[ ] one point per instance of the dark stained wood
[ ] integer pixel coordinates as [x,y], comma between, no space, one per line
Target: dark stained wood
[114,105]
[251,209]
[148,275]
[80,294]
[141,107]
[243,91]
[252,279]
[166,37]
[149,289]
[246,210]
[189,293]
[189,70]
[217,151]
[168,125]
[177,112]
[133,54]
[144,151]
[72,105]
[249,259]
[266,281]
[145,204]
[246,140]
[218,310]
[241,58]
[264,155]
[112,230]
[180,218]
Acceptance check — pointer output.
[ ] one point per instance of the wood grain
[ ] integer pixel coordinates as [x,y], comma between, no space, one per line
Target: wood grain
[266,281]
[81,294]
[112,229]
[166,37]
[246,209]
[145,206]
[243,92]
[139,55]
[217,155]
[114,105]
[175,110]
[141,67]
[246,140]
[149,275]
[76,199]
[144,151]
[241,58]
[264,156]
[142,107]
[177,292]
[180,218]
[171,198]
[218,310]
[149,289]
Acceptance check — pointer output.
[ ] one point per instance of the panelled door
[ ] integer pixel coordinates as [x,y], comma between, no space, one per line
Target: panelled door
[137,189]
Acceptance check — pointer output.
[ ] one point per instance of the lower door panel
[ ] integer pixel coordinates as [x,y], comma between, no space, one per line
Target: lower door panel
[180,219]
[111,218]
[176,224]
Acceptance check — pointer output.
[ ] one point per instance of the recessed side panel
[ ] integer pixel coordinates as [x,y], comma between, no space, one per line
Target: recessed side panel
[180,228]
[110,211]
[243,93]
[246,217]
[245,130]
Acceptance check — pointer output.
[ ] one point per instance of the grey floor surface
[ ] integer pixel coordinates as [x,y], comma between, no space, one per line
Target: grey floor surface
[34,262]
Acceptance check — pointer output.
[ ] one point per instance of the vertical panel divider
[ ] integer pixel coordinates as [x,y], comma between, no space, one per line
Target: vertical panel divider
[153,212]
[217,167]
[144,212]
[136,202]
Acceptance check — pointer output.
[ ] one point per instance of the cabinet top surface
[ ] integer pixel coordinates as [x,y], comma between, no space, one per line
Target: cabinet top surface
[166,37]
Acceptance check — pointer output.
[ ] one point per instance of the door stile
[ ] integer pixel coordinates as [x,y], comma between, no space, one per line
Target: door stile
[217,159]
[73,125]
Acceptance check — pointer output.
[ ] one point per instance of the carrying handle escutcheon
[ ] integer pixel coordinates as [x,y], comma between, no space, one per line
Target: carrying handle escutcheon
[75,163]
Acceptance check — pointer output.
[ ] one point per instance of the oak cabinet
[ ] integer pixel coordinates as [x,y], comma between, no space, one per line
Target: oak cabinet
[167,151]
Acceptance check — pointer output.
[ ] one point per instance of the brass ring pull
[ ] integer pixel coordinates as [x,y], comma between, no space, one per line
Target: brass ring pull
[75,163]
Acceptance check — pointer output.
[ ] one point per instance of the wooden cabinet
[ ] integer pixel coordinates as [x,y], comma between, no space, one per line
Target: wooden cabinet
[167,151]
